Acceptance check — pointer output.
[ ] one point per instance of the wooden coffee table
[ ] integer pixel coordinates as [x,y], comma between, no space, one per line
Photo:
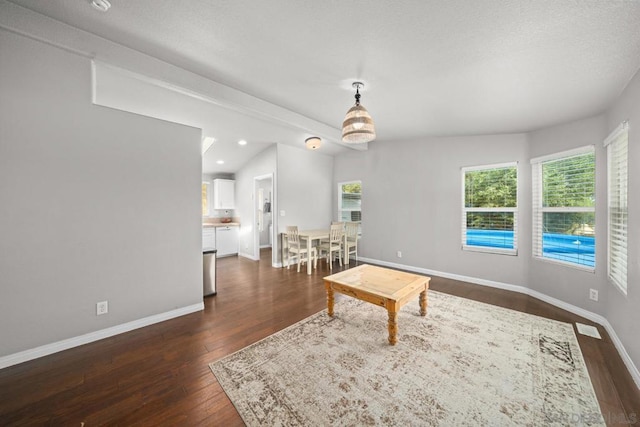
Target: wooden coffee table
[380,286]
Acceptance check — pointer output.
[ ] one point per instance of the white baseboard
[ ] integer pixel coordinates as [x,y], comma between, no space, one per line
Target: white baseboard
[45,350]
[633,369]
[249,256]
[253,258]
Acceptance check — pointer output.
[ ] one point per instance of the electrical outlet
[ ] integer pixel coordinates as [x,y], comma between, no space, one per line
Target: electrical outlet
[593,294]
[399,254]
[282,213]
[102,308]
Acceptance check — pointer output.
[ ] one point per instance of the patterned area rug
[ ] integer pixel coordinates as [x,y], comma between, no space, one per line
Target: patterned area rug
[465,363]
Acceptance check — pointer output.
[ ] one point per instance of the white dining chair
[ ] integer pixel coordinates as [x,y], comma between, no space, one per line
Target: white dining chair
[333,245]
[351,242]
[295,250]
[340,223]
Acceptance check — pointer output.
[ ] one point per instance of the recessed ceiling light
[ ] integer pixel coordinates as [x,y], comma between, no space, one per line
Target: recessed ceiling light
[242,142]
[101,5]
[220,162]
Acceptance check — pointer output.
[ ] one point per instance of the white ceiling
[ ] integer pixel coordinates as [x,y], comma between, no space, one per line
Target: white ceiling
[431,67]
[121,89]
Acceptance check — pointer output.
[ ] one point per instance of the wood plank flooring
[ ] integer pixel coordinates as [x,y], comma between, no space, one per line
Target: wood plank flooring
[159,375]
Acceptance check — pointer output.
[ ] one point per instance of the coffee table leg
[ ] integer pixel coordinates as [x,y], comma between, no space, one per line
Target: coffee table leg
[423,303]
[393,327]
[327,285]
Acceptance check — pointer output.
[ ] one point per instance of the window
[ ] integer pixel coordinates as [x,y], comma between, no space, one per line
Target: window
[490,208]
[564,207]
[205,199]
[350,201]
[617,185]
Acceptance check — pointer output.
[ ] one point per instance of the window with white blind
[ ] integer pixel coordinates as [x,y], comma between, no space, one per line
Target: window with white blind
[490,208]
[350,201]
[617,186]
[564,207]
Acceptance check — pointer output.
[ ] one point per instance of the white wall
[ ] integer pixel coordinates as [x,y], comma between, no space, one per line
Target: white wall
[412,199]
[262,164]
[305,189]
[95,204]
[622,311]
[302,188]
[98,204]
[411,202]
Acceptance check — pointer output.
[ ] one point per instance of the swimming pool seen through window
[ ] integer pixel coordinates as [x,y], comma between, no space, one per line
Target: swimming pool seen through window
[490,208]
[564,207]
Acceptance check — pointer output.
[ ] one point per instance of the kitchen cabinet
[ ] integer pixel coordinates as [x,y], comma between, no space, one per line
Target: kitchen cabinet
[227,240]
[208,238]
[224,194]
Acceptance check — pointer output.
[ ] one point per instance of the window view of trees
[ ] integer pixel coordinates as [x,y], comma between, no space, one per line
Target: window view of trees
[569,183]
[350,208]
[352,187]
[490,208]
[491,188]
[564,208]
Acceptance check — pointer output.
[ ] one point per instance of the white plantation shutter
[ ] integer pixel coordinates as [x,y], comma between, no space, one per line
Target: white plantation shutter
[617,185]
[536,220]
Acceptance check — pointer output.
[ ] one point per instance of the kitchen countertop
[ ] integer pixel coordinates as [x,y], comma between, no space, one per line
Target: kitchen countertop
[220,224]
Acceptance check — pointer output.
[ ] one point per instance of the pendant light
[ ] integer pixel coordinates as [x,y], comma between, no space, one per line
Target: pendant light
[358,127]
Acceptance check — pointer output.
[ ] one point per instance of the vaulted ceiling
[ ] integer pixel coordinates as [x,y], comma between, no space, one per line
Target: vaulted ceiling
[430,68]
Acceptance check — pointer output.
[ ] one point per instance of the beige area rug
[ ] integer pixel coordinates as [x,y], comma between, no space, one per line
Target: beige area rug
[465,363]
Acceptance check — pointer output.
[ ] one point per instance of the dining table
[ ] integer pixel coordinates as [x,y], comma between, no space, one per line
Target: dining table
[310,235]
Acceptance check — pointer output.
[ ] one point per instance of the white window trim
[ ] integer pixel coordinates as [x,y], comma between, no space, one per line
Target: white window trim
[340,210]
[485,249]
[568,153]
[538,210]
[618,279]
[567,264]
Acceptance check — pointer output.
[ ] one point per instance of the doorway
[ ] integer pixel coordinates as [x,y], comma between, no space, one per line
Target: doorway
[265,230]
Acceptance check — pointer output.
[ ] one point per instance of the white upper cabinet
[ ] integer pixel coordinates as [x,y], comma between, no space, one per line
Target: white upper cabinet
[224,194]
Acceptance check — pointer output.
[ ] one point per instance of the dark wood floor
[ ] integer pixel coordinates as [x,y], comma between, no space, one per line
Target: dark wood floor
[159,375]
